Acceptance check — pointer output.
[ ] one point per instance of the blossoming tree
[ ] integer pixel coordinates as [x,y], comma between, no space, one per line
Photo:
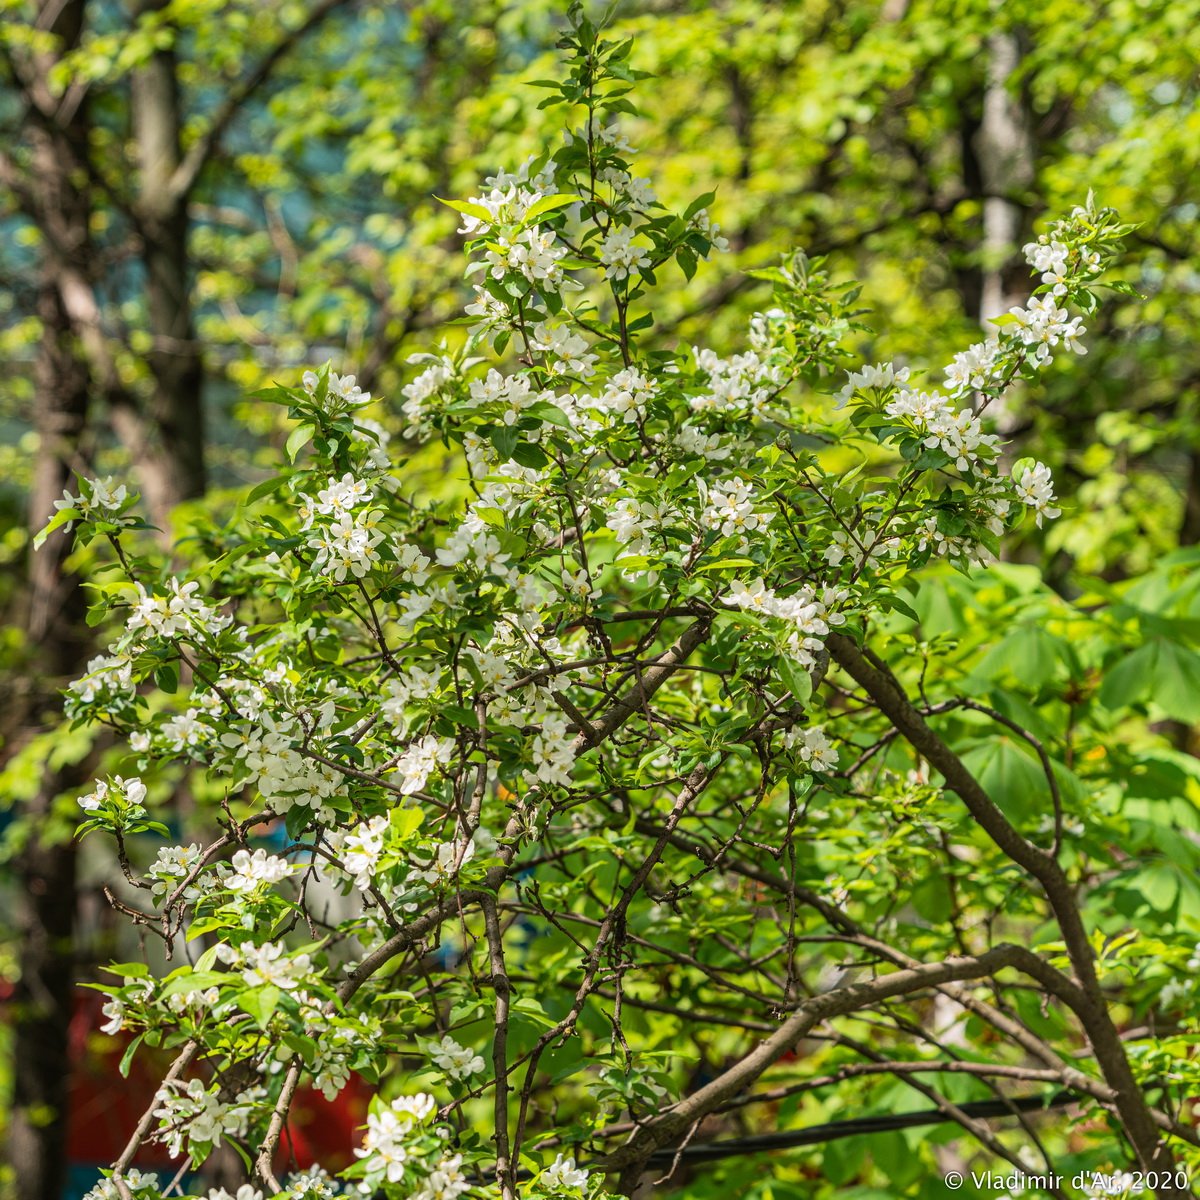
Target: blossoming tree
[566,767]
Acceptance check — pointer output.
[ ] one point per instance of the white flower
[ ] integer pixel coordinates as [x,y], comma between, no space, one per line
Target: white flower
[1050,258]
[341,496]
[534,253]
[815,748]
[179,611]
[269,963]
[360,849]
[743,383]
[95,798]
[97,498]
[1035,488]
[250,871]
[608,135]
[342,393]
[563,1175]
[577,583]
[312,1184]
[415,684]
[137,1183]
[1072,826]
[730,508]
[626,395]
[448,859]
[628,190]
[456,1061]
[923,408]
[445,1182]
[1042,325]
[245,1192]
[710,229]
[383,1146]
[419,760]
[173,863]
[878,375]
[566,351]
[115,1011]
[346,546]
[129,791]
[619,256]
[431,383]
[553,751]
[105,674]
[488,309]
[184,729]
[961,437]
[193,1114]
[411,564]
[974,368]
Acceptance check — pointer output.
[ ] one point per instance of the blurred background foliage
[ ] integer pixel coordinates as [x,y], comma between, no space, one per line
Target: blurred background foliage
[198,197]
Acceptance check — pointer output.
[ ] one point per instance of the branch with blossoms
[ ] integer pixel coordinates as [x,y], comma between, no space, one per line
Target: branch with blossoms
[557,761]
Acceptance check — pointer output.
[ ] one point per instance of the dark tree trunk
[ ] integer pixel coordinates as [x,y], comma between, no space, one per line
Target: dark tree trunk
[45,863]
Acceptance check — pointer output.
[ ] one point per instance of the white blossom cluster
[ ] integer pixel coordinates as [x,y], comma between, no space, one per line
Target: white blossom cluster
[198,1117]
[743,384]
[400,1145]
[98,500]
[806,615]
[409,691]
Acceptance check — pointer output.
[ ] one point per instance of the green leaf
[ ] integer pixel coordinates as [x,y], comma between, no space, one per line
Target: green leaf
[57,521]
[696,205]
[166,678]
[469,209]
[298,439]
[129,970]
[798,680]
[529,455]
[504,438]
[1013,778]
[405,821]
[545,411]
[268,485]
[127,1057]
[726,563]
[528,1007]
[549,204]
[188,981]
[261,1003]
[1162,671]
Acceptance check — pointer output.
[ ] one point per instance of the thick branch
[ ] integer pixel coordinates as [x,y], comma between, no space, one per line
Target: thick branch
[884,689]
[665,1128]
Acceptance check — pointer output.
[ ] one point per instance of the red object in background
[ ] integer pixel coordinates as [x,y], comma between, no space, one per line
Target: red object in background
[105,1108]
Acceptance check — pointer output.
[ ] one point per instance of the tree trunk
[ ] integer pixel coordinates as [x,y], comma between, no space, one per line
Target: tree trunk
[1005,155]
[57,639]
[175,405]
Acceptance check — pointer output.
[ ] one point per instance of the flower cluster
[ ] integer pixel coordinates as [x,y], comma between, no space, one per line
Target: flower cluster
[198,1117]
[806,615]
[400,1145]
[456,1061]
[460,720]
